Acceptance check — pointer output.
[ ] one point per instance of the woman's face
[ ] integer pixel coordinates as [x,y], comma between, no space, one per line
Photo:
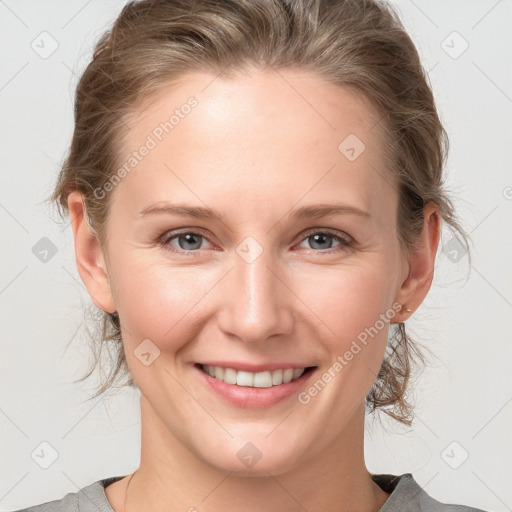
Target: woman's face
[268,276]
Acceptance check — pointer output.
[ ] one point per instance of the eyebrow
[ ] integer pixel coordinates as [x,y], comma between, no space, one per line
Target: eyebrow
[314,211]
[181,209]
[323,210]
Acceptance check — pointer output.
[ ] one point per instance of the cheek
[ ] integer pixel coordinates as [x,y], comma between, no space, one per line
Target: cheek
[349,298]
[159,302]
[349,303]
[169,304]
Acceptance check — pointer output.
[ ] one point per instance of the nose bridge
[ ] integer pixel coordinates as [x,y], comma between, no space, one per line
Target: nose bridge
[256,305]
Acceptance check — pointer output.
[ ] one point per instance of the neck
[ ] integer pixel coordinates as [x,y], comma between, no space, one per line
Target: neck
[173,478]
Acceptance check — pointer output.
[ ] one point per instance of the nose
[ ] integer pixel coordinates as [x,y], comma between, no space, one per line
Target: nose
[258,304]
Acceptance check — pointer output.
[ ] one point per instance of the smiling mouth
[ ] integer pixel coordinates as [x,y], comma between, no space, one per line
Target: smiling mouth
[264,379]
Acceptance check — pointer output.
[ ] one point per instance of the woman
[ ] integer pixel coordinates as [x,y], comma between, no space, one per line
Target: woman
[255,190]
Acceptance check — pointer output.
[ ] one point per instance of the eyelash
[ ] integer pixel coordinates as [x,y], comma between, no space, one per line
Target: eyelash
[344,244]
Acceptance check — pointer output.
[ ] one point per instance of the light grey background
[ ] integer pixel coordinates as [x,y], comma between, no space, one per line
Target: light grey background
[464,400]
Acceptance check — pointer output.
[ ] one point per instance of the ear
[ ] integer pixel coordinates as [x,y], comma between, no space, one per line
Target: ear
[421,260]
[89,256]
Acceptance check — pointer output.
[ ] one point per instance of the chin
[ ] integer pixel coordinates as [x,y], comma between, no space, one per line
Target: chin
[248,459]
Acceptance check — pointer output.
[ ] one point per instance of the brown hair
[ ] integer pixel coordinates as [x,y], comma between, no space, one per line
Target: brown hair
[359,44]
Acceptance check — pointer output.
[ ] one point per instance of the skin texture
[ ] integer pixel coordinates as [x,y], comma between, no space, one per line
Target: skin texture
[257,146]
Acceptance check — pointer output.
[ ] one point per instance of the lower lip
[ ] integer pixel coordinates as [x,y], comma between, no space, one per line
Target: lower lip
[255,398]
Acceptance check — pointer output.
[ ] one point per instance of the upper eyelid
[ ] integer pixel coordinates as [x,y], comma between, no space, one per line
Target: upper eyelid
[327,231]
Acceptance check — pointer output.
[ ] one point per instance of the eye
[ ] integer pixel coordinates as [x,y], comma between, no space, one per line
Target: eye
[184,242]
[191,242]
[320,240]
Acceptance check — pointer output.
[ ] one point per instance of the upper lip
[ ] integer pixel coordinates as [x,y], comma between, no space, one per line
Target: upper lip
[255,368]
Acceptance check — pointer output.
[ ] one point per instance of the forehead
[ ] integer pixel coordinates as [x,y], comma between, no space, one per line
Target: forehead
[256,135]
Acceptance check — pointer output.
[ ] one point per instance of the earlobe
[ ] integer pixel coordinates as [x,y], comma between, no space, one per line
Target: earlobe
[89,256]
[421,261]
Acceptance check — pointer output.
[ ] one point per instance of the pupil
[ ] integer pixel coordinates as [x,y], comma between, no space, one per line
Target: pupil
[189,239]
[319,238]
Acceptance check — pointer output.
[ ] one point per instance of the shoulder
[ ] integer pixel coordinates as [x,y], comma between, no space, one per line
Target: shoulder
[91,498]
[406,495]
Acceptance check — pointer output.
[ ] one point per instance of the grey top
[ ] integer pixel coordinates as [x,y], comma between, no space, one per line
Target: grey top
[405,496]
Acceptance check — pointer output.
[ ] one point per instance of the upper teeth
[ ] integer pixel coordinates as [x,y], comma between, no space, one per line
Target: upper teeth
[264,379]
